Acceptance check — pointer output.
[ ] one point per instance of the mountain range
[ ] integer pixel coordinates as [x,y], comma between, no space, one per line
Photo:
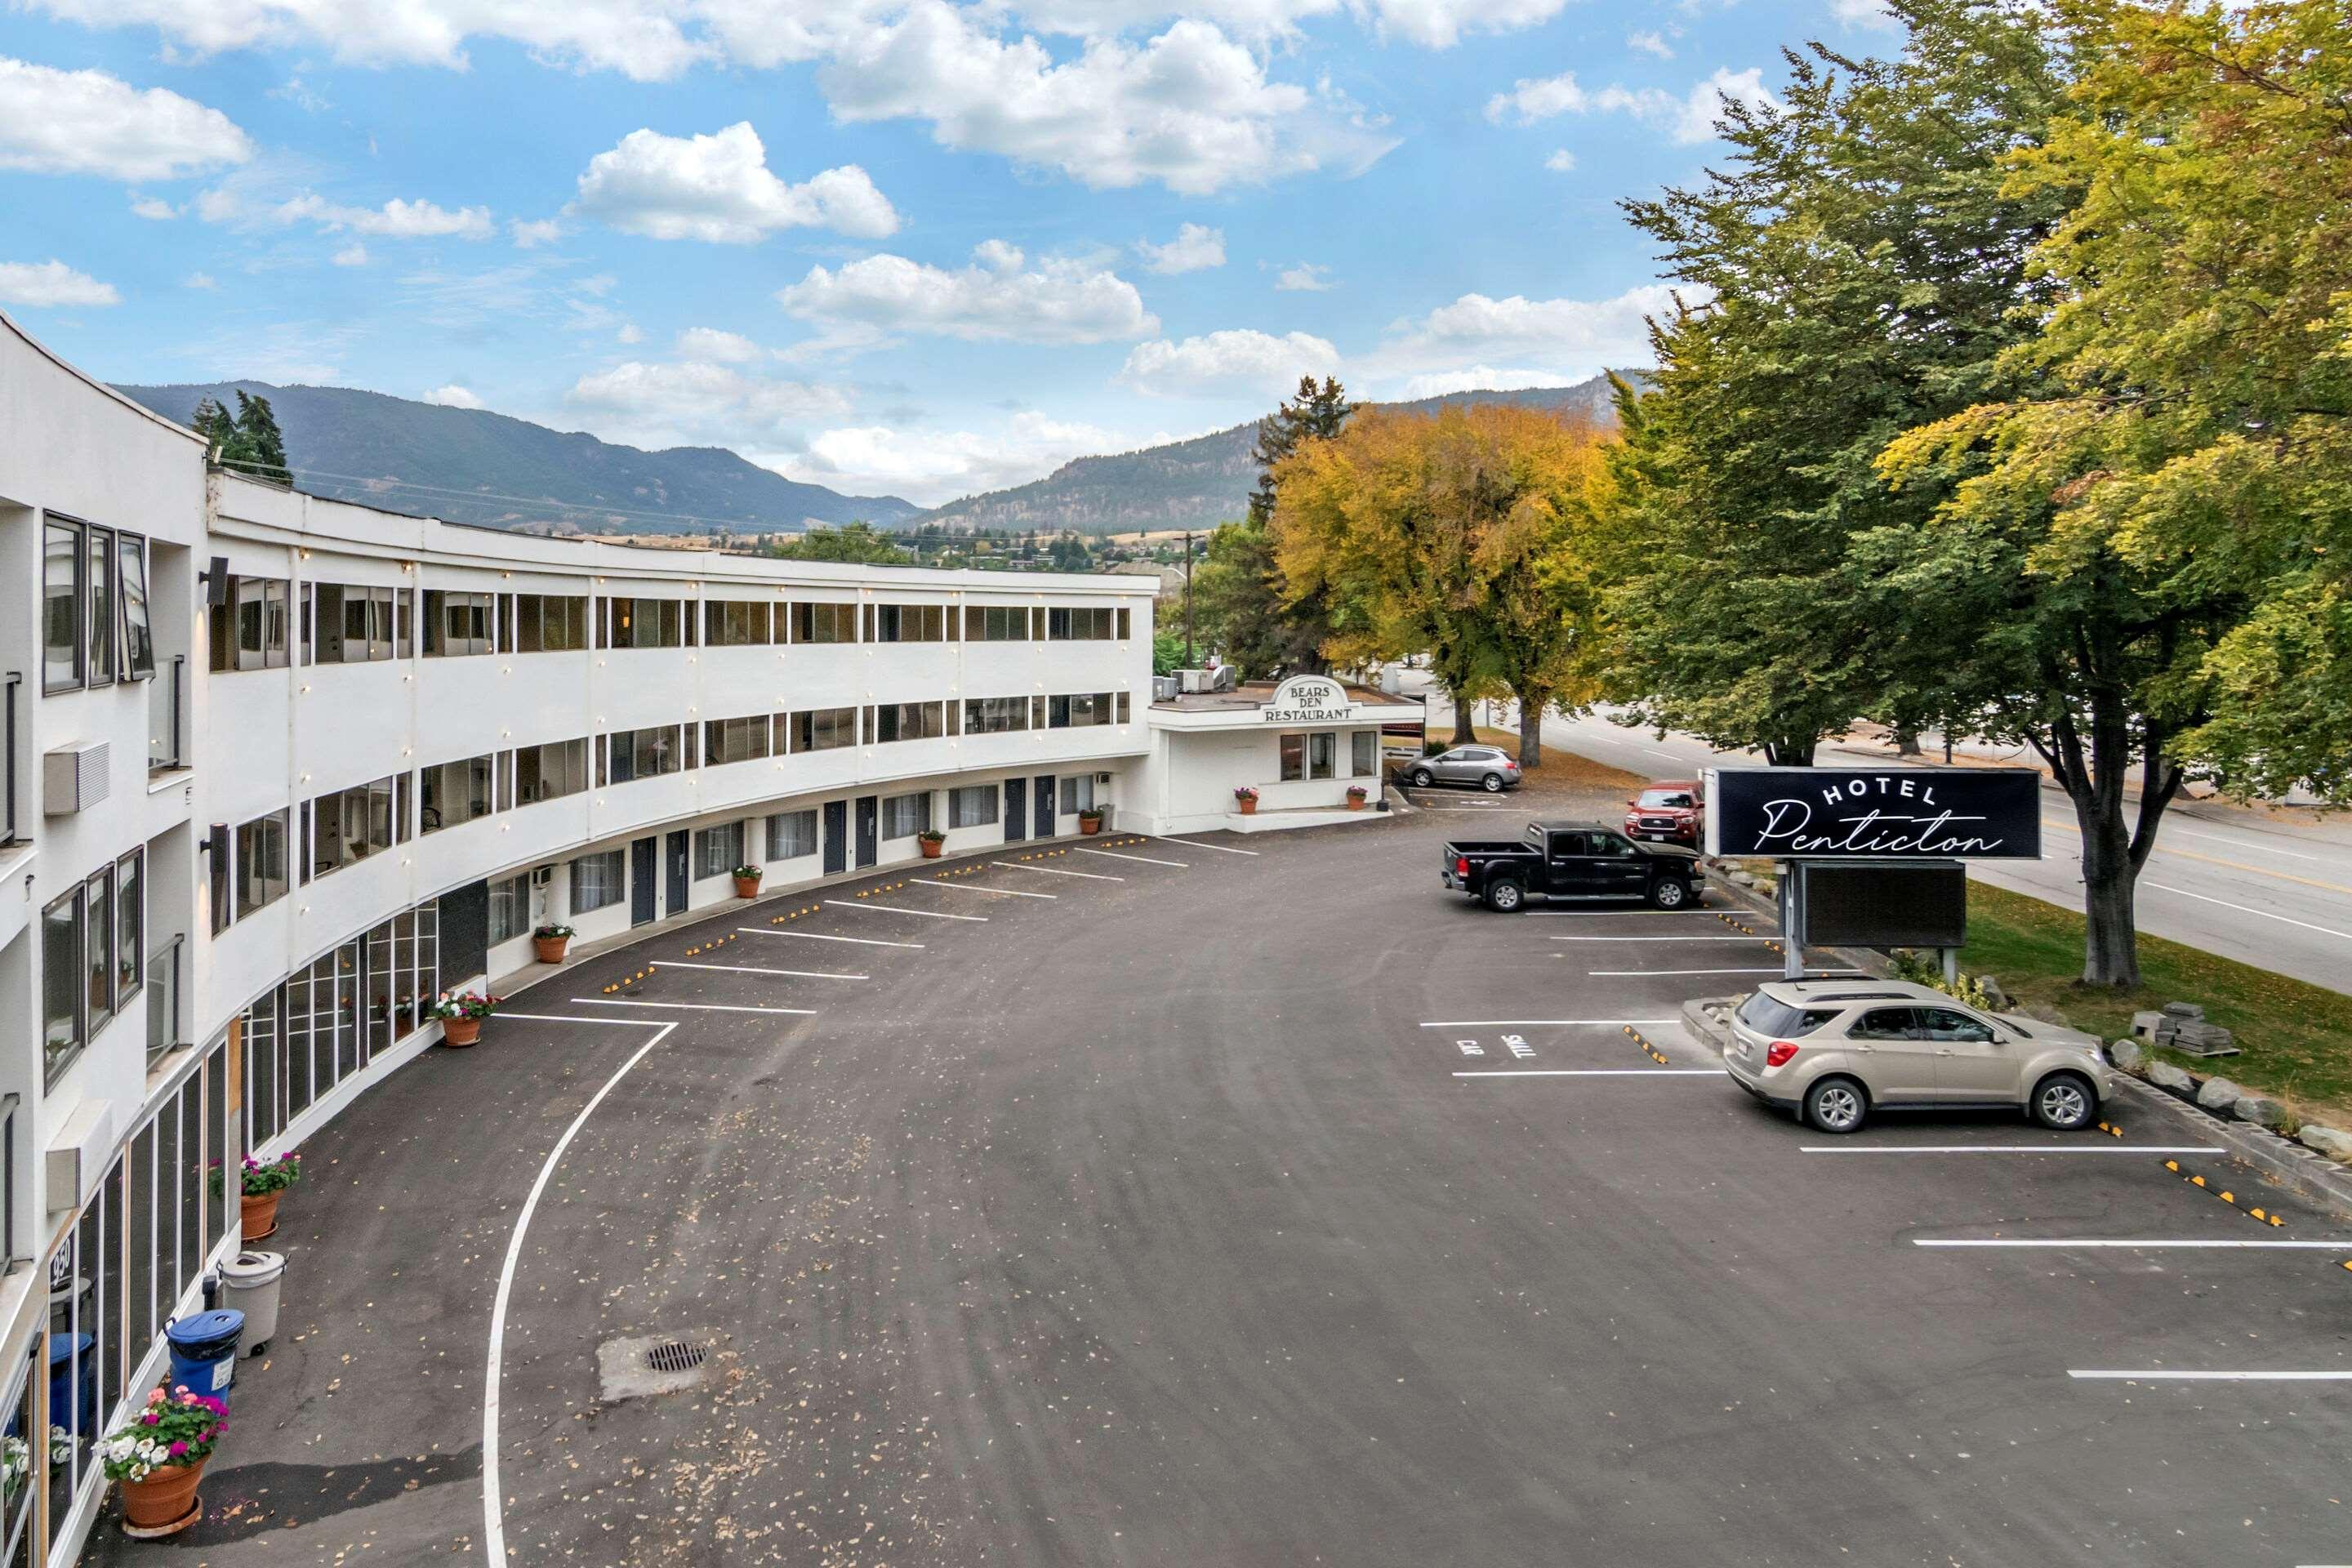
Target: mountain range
[469,465]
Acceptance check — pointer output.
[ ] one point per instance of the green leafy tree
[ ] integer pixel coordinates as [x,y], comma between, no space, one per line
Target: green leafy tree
[247,442]
[1238,608]
[855,542]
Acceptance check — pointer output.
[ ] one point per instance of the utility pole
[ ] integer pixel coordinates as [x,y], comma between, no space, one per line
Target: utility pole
[1188,599]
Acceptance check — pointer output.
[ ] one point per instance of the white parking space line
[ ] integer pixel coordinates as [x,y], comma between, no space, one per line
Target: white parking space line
[2160,1375]
[896,910]
[2128,1243]
[1050,872]
[692,1006]
[1114,855]
[2243,909]
[820,936]
[976,887]
[1503,1023]
[1196,844]
[751,969]
[568,1018]
[1593,1072]
[1811,971]
[2011,1148]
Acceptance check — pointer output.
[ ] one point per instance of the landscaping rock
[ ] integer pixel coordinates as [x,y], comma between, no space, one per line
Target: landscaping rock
[2183,1010]
[2333,1141]
[2202,1040]
[1995,998]
[2128,1056]
[2255,1109]
[2219,1094]
[2164,1074]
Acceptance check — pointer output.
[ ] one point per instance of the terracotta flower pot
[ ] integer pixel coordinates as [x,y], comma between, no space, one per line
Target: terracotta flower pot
[1356,803]
[1090,825]
[461,1031]
[747,887]
[165,1503]
[1248,805]
[930,847]
[258,1214]
[550,949]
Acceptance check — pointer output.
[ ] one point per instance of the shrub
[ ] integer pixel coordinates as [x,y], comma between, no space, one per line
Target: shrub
[180,1428]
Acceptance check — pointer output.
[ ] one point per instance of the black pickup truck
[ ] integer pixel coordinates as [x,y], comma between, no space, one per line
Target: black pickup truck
[1571,860]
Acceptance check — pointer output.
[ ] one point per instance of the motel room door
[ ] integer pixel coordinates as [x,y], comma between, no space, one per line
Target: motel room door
[1044,790]
[1016,810]
[836,837]
[644,873]
[869,830]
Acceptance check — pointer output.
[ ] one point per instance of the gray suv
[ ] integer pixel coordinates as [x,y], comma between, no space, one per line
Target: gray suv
[1834,1050]
[1484,767]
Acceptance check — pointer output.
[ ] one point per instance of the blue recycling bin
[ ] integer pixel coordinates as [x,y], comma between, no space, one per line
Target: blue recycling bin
[77,1415]
[203,1350]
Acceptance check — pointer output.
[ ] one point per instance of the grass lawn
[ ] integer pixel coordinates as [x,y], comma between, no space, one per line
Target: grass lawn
[2295,1038]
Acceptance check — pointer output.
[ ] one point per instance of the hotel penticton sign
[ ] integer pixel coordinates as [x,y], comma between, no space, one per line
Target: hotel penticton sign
[1875,814]
[1307,699]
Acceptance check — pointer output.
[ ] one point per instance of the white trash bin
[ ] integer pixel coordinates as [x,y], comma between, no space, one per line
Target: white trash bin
[250,1283]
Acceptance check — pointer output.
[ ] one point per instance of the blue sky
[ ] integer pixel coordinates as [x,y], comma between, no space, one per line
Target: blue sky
[883,244]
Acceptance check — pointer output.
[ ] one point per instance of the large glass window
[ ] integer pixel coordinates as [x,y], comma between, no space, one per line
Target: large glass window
[597,881]
[648,623]
[824,729]
[61,605]
[906,722]
[458,624]
[904,815]
[549,771]
[61,984]
[1294,758]
[98,958]
[354,625]
[1078,711]
[974,807]
[1322,752]
[1078,625]
[735,740]
[248,628]
[791,834]
[550,622]
[717,850]
[450,793]
[102,611]
[138,634]
[910,623]
[352,824]
[823,623]
[644,753]
[996,623]
[509,908]
[129,925]
[996,715]
[1079,792]
[1364,753]
[261,865]
[735,623]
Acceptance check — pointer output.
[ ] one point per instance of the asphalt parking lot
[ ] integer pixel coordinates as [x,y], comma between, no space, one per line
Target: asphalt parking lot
[1253,1201]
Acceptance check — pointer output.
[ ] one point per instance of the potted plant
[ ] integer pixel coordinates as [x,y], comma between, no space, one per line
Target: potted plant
[461,1014]
[932,841]
[1246,799]
[747,881]
[1357,795]
[158,1456]
[1090,819]
[550,943]
[260,1184]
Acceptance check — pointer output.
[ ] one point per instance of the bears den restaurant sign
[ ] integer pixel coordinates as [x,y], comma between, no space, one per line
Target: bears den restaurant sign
[1307,699]
[1865,814]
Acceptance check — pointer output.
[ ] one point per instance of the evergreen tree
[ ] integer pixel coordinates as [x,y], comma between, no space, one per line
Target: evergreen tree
[1316,414]
[259,450]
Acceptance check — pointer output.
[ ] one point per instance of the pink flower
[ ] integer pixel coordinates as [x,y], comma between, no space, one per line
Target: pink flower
[150,1418]
[179,1450]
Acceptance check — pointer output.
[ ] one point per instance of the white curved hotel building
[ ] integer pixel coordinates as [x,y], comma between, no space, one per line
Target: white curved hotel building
[280,768]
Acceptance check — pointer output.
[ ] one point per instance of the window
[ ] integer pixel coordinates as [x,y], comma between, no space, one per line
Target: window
[735,740]
[509,908]
[1950,1023]
[823,623]
[101,609]
[550,622]
[1886,1024]
[549,771]
[351,824]
[904,815]
[260,863]
[597,881]
[457,626]
[61,984]
[129,925]
[1079,792]
[910,623]
[995,623]
[347,624]
[1364,753]
[1768,1017]
[1124,699]
[646,623]
[1079,711]
[1078,625]
[1322,753]
[450,793]
[996,715]
[1294,757]
[791,835]
[248,629]
[824,729]
[644,753]
[717,850]
[1122,625]
[906,722]
[735,623]
[973,807]
[61,605]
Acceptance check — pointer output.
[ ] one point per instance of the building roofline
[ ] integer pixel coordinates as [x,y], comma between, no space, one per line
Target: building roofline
[42,348]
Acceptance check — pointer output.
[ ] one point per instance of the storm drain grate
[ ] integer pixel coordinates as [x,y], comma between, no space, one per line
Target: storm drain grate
[674,1356]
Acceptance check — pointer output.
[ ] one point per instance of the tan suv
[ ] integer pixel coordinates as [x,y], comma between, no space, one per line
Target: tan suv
[1834,1050]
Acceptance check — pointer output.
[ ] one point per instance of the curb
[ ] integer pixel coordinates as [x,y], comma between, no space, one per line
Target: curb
[2308,1174]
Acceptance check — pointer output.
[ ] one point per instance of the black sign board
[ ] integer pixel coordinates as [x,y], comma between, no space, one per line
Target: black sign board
[1886,906]
[1875,814]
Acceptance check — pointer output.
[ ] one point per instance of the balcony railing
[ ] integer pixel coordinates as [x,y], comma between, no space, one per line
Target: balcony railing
[165,716]
[9,831]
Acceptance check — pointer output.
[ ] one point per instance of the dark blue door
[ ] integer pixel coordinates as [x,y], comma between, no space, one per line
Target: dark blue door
[869,830]
[678,872]
[644,873]
[836,837]
[1016,810]
[1044,805]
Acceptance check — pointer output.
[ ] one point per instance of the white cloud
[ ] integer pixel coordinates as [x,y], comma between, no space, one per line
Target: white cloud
[630,332]
[52,283]
[199,281]
[152,209]
[719,189]
[1194,249]
[1654,43]
[87,122]
[999,296]
[1871,13]
[1574,338]
[529,232]
[1689,117]
[693,400]
[352,255]
[396,219]
[453,396]
[1233,361]
[1561,162]
[722,348]
[1482,378]
[1306,278]
[929,467]
[1190,108]
[1440,23]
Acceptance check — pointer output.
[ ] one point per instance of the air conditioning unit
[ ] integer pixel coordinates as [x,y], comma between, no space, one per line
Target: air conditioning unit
[75,777]
[77,1152]
[1165,689]
[1194,679]
[1222,679]
[540,875]
[1102,778]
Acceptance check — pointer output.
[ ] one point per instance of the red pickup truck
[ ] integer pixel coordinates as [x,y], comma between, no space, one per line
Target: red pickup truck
[1670,811]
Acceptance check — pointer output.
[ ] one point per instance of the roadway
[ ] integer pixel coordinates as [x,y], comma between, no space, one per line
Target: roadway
[2275,894]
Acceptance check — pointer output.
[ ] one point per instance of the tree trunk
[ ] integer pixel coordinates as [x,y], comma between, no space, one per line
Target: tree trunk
[1531,711]
[1462,734]
[1906,744]
[1791,751]
[2115,846]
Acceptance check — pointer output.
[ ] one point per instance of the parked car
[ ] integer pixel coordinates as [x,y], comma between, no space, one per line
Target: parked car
[1486,767]
[1834,1051]
[1670,811]
[1570,860]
